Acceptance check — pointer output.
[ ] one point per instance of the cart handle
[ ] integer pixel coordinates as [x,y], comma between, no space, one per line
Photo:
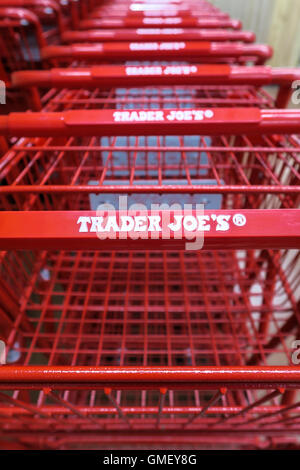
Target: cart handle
[20,14]
[132,76]
[110,122]
[142,378]
[168,34]
[185,22]
[117,11]
[150,230]
[113,51]
[37,3]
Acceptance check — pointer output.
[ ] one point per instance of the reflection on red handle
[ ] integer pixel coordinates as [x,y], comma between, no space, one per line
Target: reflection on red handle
[154,34]
[120,75]
[151,22]
[229,121]
[143,378]
[179,11]
[228,229]
[166,50]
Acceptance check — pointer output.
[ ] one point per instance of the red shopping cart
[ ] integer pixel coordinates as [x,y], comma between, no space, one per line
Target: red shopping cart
[23,33]
[161,346]
[49,13]
[17,50]
[149,228]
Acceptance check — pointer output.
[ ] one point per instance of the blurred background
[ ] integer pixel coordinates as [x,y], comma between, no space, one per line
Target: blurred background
[275,22]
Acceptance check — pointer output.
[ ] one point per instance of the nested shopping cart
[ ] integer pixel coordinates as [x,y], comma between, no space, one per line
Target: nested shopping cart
[23,33]
[26,26]
[137,341]
[49,12]
[54,13]
[120,329]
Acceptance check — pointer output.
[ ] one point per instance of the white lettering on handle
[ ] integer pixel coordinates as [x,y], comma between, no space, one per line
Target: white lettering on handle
[153,223]
[162,21]
[160,70]
[157,46]
[158,31]
[176,115]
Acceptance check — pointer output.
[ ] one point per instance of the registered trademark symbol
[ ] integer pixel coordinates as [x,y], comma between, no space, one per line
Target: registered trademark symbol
[239,220]
[208,113]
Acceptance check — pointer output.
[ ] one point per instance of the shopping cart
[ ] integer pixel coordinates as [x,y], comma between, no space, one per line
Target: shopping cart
[119,329]
[21,38]
[49,13]
[26,26]
[111,344]
[195,85]
[23,33]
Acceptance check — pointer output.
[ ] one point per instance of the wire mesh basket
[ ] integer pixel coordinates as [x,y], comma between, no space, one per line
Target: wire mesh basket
[149,344]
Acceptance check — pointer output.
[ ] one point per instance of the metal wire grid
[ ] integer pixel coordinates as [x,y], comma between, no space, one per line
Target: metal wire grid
[157,98]
[142,309]
[16,48]
[249,172]
[159,309]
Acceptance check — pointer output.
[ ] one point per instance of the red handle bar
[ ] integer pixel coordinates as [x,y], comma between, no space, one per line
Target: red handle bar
[115,75]
[177,21]
[153,34]
[229,121]
[143,378]
[81,230]
[167,51]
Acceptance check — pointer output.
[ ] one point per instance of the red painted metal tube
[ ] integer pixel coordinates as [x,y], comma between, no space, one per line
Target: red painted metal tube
[232,121]
[153,34]
[21,14]
[232,411]
[150,377]
[151,22]
[119,12]
[167,51]
[115,75]
[37,4]
[151,188]
[242,229]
